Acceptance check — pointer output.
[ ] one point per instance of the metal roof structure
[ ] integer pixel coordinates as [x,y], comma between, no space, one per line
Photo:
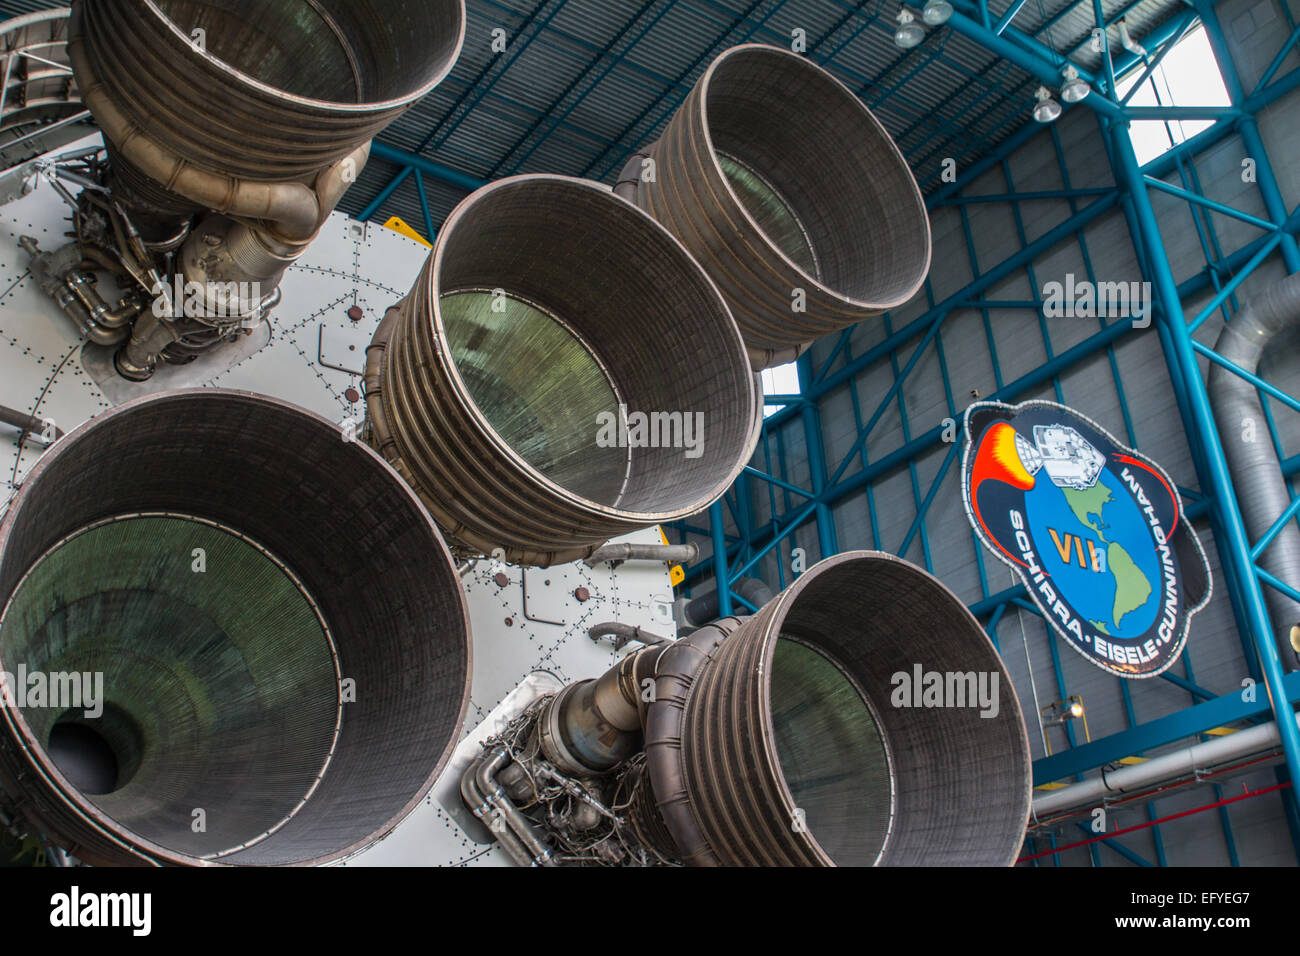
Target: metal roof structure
[580,84]
[574,86]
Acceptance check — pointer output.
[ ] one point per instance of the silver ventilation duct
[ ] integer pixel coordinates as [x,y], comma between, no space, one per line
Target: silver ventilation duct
[1163,773]
[1256,473]
[267,635]
[693,613]
[791,194]
[852,721]
[506,388]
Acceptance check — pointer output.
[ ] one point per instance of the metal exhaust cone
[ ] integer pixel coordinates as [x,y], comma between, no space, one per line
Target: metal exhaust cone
[251,639]
[797,738]
[508,386]
[793,197]
[268,92]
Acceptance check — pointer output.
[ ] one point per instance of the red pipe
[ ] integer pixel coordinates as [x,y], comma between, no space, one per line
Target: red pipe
[1151,823]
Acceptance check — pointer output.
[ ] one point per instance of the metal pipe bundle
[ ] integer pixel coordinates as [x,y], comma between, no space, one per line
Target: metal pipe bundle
[277,631]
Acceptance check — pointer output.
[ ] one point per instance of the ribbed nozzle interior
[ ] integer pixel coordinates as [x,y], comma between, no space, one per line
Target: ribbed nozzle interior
[879,622]
[280,633]
[561,373]
[336,50]
[205,679]
[819,174]
[634,323]
[800,747]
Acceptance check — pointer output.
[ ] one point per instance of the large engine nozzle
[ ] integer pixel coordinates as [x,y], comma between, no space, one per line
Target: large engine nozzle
[814,732]
[269,92]
[793,196]
[563,372]
[250,641]
[255,116]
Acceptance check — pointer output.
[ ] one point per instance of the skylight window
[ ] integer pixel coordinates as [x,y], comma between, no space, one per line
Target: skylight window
[781,380]
[1188,76]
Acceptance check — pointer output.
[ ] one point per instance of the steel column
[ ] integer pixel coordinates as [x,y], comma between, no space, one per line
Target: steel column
[1225,502]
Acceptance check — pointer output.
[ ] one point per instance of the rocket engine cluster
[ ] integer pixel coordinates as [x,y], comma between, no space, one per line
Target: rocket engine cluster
[773,209]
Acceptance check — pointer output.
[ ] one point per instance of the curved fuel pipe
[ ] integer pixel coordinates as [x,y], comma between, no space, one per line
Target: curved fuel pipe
[488,800]
[24,422]
[667,553]
[491,812]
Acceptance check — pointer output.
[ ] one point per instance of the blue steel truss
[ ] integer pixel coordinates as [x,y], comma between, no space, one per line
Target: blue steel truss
[794,507]
[904,347]
[989,108]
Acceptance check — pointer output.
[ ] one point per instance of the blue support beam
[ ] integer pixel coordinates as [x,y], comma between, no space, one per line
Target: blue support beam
[552,117]
[1208,203]
[1037,66]
[1007,17]
[430,232]
[721,575]
[535,21]
[1277,60]
[827,541]
[1134,858]
[1234,540]
[1169,43]
[1167,113]
[1264,175]
[413,161]
[386,193]
[1188,722]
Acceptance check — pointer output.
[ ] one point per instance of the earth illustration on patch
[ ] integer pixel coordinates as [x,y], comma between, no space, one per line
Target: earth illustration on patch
[1118,597]
[1094,530]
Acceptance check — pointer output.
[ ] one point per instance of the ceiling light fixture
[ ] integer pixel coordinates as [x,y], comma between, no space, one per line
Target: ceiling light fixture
[1075,88]
[1046,109]
[936,12]
[909,33]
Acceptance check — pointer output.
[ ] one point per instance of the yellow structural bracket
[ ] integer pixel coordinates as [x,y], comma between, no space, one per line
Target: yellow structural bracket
[676,574]
[398,224]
